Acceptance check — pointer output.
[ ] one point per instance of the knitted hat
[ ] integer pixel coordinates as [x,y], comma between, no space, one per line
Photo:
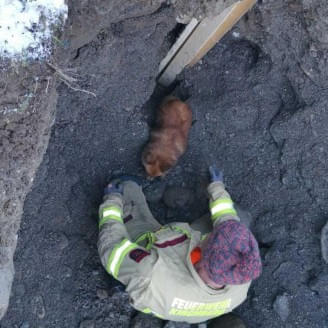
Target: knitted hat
[231,255]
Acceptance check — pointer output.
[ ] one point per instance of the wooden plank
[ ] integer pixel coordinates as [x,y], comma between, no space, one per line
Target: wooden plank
[178,44]
[204,36]
[224,26]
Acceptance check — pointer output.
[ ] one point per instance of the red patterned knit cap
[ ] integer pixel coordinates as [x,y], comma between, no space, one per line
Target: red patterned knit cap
[231,255]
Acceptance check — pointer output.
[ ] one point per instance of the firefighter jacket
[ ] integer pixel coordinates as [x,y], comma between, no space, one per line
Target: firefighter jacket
[156,267]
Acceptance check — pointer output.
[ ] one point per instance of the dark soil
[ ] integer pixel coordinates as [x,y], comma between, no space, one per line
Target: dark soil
[259,111]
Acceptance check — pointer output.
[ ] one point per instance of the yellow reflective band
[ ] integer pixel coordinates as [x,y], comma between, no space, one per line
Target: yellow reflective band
[186,308]
[222,207]
[105,220]
[219,201]
[188,313]
[117,256]
[158,315]
[225,212]
[150,236]
[184,231]
[112,211]
[146,310]
[204,236]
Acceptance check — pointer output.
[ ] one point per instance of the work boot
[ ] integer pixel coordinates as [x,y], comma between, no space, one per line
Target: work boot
[227,321]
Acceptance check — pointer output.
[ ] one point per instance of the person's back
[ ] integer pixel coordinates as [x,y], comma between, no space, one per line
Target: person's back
[174,271]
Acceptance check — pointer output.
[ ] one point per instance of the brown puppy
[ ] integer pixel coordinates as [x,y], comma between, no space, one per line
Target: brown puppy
[168,140]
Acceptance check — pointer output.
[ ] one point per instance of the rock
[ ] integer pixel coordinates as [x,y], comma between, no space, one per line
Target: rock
[142,320]
[324,243]
[87,324]
[38,307]
[320,284]
[281,306]
[229,320]
[154,192]
[177,197]
[102,294]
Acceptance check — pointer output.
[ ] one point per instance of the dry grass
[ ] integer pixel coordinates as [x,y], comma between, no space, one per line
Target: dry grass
[69,80]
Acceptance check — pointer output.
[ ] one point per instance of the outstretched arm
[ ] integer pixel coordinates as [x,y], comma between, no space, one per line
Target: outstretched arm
[121,258]
[221,204]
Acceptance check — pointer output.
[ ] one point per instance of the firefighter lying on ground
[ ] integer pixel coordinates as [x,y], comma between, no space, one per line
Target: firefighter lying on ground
[177,272]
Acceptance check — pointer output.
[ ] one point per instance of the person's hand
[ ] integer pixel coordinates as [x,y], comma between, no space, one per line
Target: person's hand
[215,174]
[113,187]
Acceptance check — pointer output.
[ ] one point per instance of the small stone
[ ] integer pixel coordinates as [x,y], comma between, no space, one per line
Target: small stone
[281,306]
[177,197]
[324,243]
[102,294]
[87,324]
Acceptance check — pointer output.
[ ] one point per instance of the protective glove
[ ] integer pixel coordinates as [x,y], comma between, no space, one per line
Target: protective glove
[215,174]
[113,187]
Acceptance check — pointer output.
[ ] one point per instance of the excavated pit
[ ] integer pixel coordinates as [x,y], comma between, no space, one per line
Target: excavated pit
[258,113]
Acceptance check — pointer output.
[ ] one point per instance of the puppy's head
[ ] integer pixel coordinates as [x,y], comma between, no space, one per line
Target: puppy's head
[154,165]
